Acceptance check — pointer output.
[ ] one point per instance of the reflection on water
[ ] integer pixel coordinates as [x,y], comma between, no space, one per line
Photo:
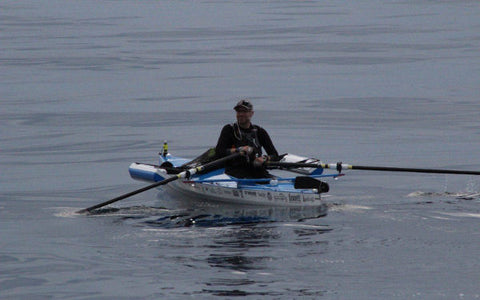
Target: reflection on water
[238,249]
[251,253]
[209,214]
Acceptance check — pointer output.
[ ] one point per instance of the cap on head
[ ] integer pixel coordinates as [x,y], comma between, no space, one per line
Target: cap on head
[243,104]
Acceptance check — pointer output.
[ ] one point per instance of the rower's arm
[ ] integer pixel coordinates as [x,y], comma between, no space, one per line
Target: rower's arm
[268,145]
[224,143]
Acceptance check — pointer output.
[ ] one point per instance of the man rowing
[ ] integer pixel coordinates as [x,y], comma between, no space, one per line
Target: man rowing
[248,139]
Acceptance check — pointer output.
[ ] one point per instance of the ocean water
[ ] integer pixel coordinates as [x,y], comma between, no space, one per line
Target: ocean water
[88,87]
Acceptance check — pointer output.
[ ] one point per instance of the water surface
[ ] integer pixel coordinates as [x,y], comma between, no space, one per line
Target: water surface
[88,87]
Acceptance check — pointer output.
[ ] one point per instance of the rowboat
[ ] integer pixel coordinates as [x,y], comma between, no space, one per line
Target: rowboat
[220,187]
[204,178]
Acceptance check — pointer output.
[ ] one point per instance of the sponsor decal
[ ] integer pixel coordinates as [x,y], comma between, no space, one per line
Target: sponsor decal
[310,198]
[294,198]
[280,197]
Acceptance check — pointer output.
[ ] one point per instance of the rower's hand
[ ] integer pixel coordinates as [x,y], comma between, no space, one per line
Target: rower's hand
[245,150]
[259,161]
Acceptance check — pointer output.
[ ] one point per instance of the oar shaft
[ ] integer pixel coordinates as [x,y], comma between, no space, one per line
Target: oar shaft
[341,166]
[414,170]
[294,165]
[216,163]
[154,185]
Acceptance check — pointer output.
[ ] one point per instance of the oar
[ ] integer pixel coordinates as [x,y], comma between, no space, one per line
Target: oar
[211,165]
[340,166]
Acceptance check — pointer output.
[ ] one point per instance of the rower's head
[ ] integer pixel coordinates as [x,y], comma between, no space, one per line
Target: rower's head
[244,109]
[244,105]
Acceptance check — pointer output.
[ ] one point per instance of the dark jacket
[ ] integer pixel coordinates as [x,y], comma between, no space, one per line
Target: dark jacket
[233,136]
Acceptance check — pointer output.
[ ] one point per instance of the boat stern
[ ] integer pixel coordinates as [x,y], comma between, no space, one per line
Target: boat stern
[149,173]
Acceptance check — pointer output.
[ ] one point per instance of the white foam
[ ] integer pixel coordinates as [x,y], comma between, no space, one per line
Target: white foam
[305,226]
[66,212]
[463,195]
[349,207]
[461,215]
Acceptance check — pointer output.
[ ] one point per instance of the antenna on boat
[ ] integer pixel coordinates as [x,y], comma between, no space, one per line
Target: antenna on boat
[165,148]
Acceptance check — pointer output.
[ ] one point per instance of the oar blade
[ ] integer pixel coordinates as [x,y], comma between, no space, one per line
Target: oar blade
[307,182]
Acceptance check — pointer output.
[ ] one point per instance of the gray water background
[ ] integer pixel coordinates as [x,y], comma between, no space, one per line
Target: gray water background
[87,87]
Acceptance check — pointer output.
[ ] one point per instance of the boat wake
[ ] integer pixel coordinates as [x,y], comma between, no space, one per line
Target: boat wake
[204,220]
[204,215]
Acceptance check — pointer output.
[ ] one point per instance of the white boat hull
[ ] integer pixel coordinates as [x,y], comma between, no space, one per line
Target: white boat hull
[227,190]
[246,195]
